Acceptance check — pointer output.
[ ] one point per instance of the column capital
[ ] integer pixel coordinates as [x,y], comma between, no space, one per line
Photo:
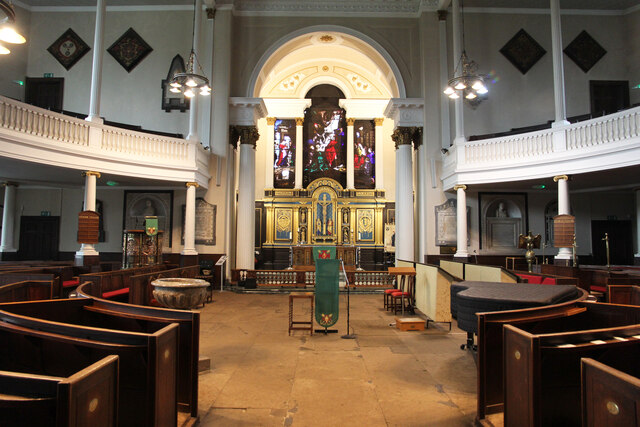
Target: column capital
[9,184]
[248,135]
[350,121]
[559,177]
[271,121]
[378,121]
[442,15]
[417,137]
[460,187]
[403,136]
[90,173]
[299,121]
[192,184]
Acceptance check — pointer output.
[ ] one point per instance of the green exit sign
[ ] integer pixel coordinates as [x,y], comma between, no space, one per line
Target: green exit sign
[48,75]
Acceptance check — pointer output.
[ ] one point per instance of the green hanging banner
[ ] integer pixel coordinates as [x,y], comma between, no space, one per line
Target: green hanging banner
[151,225]
[327,292]
[324,252]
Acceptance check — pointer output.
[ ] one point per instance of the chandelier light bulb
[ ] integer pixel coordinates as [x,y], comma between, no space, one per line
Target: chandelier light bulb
[174,90]
[454,96]
[191,83]
[9,35]
[477,85]
[448,91]
[460,86]
[189,93]
[175,84]
[471,95]
[4,50]
[206,90]
[482,90]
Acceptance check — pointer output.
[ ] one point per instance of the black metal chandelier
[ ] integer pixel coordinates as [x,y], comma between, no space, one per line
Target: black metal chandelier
[465,81]
[190,82]
[8,34]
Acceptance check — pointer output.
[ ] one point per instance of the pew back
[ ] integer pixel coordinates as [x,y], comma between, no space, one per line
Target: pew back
[29,290]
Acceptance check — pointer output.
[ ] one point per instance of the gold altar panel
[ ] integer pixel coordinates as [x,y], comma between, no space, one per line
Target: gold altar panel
[284,224]
[365,223]
[324,211]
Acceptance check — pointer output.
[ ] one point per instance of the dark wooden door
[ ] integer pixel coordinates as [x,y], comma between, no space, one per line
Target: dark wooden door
[620,242]
[39,237]
[45,92]
[608,96]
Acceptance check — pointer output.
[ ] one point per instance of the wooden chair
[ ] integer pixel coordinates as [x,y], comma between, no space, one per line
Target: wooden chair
[403,299]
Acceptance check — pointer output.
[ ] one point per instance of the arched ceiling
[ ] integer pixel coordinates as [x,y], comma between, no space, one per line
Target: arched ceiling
[326,57]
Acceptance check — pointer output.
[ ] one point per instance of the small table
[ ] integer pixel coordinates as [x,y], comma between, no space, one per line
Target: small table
[300,325]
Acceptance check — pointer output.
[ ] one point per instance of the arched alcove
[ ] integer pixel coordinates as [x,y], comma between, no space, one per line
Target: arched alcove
[338,56]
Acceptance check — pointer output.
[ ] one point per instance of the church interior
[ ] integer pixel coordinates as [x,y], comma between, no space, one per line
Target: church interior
[402,179]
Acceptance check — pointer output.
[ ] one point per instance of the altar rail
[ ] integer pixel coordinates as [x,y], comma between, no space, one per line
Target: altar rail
[70,135]
[302,278]
[578,141]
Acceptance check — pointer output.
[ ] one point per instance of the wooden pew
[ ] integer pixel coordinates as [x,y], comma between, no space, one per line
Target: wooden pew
[33,274]
[116,282]
[95,312]
[610,394]
[542,370]
[29,290]
[148,361]
[88,397]
[623,294]
[556,318]
[141,290]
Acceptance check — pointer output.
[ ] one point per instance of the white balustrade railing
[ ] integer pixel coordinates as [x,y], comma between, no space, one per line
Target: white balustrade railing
[128,142]
[510,147]
[17,116]
[607,129]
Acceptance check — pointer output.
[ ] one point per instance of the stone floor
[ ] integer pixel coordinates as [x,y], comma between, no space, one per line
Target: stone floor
[261,376]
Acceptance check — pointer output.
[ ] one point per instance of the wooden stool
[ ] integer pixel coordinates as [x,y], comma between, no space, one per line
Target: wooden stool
[299,324]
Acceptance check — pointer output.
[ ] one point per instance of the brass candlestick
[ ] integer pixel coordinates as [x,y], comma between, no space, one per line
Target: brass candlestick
[529,242]
[606,242]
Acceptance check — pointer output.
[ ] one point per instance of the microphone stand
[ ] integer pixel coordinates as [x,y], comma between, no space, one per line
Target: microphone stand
[347,336]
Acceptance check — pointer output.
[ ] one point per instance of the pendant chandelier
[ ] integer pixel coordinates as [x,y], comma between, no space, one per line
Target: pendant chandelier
[465,81]
[7,33]
[189,83]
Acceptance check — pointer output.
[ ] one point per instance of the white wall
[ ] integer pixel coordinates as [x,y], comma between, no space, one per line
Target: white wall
[132,98]
[632,28]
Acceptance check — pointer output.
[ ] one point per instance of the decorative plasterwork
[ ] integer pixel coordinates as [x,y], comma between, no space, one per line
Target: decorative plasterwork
[405,111]
[286,108]
[246,111]
[364,108]
[336,6]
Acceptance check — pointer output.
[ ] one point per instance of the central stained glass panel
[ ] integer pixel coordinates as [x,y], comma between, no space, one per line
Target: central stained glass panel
[325,148]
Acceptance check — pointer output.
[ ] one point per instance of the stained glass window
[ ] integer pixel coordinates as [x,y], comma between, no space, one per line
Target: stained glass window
[364,156]
[284,153]
[325,149]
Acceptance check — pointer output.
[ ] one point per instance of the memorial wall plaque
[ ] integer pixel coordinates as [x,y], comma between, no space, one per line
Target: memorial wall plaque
[205,228]
[88,227]
[563,230]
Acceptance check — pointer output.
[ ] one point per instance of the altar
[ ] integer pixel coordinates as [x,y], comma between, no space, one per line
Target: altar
[302,256]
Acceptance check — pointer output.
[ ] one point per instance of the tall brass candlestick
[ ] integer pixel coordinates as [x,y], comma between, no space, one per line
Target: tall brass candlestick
[606,242]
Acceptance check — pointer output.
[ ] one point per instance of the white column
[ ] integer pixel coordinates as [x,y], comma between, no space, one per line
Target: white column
[190,220]
[246,198]
[564,208]
[8,218]
[457,52]
[219,136]
[230,206]
[193,102]
[96,70]
[269,153]
[558,66]
[90,177]
[461,221]
[421,190]
[404,193]
[299,151]
[379,154]
[350,154]
[445,130]
[637,192]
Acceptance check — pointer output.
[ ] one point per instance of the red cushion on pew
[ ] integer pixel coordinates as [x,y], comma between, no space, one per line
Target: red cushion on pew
[117,292]
[69,283]
[531,278]
[598,288]
[390,291]
[154,302]
[548,281]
